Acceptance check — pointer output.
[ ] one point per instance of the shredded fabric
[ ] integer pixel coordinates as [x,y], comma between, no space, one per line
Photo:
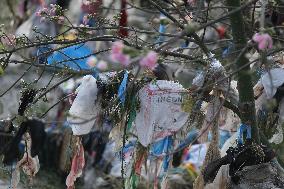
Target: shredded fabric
[163,147]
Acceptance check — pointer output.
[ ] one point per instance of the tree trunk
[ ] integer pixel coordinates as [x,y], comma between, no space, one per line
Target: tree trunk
[245,86]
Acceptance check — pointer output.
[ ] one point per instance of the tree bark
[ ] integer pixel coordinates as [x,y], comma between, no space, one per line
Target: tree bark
[245,86]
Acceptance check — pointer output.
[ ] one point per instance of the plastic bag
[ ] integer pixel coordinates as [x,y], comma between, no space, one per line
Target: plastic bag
[160,112]
[85,108]
[272,80]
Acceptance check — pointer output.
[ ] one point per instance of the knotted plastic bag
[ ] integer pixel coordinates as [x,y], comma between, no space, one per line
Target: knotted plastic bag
[85,108]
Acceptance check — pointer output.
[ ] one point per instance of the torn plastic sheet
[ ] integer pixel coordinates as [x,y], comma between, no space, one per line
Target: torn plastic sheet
[127,153]
[163,148]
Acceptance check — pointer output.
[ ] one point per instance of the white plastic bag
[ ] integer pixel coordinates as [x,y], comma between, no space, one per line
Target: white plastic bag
[85,108]
[160,112]
[272,80]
